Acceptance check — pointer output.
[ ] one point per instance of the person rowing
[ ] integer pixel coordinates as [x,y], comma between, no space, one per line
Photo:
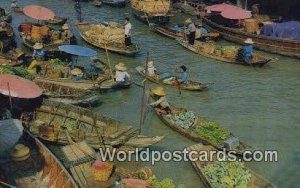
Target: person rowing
[181,74]
[151,70]
[160,104]
[246,53]
[38,51]
[121,77]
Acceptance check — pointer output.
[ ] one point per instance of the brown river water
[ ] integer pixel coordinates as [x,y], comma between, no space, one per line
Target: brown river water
[259,105]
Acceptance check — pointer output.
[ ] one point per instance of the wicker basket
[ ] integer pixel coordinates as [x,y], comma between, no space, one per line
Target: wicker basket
[102,174]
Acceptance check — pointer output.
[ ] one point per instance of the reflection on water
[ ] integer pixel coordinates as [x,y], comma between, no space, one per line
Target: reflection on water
[260,105]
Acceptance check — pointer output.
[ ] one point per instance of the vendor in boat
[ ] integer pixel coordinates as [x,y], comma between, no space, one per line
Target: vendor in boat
[66,34]
[77,74]
[191,31]
[181,74]
[161,104]
[247,51]
[127,30]
[151,70]
[14,4]
[121,77]
[38,51]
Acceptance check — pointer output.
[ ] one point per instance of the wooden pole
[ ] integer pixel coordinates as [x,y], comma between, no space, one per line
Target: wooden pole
[9,94]
[109,65]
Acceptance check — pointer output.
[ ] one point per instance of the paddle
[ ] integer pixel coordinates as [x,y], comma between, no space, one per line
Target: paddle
[143,107]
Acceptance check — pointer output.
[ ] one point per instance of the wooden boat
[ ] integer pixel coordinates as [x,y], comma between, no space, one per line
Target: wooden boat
[110,84]
[5,15]
[53,120]
[115,3]
[114,47]
[199,48]
[18,10]
[7,38]
[41,169]
[192,86]
[255,180]
[162,19]
[186,8]
[172,33]
[57,20]
[13,58]
[49,46]
[190,134]
[285,47]
[97,3]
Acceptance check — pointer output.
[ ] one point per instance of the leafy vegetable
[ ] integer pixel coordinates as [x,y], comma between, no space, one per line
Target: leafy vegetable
[18,71]
[57,61]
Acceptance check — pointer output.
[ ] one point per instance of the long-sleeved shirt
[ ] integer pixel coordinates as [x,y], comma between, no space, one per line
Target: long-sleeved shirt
[247,51]
[162,101]
[182,77]
[121,76]
[127,29]
[191,28]
[151,71]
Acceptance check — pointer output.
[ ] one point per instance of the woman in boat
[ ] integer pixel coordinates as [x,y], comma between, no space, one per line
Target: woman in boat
[191,31]
[14,4]
[246,54]
[161,104]
[38,51]
[66,34]
[151,70]
[121,77]
[77,8]
[127,30]
[181,74]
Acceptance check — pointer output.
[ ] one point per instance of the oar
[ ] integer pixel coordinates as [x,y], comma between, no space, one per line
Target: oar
[142,117]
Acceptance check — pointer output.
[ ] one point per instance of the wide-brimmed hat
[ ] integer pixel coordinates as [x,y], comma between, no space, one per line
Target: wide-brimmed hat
[20,153]
[121,67]
[160,91]
[65,27]
[249,41]
[189,20]
[76,72]
[38,46]
[150,64]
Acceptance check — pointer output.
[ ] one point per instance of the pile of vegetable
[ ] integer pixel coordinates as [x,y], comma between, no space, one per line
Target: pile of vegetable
[165,183]
[18,71]
[183,119]
[227,174]
[57,61]
[212,132]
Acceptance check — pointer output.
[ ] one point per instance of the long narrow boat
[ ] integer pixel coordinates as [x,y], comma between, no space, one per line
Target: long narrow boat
[199,165]
[192,86]
[57,20]
[53,120]
[26,37]
[285,47]
[114,47]
[115,3]
[190,134]
[40,169]
[199,48]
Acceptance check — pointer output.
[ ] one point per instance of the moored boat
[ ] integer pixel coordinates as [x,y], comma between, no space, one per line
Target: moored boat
[192,86]
[115,3]
[90,33]
[97,3]
[200,166]
[208,49]
[53,120]
[199,129]
[57,20]
[280,46]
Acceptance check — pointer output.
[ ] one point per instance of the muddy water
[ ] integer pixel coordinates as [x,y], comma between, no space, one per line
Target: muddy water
[260,105]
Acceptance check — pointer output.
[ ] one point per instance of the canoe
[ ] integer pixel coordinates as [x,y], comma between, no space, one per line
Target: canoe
[57,20]
[7,38]
[129,51]
[190,134]
[51,121]
[6,17]
[110,84]
[18,10]
[172,33]
[41,169]
[191,86]
[162,19]
[199,48]
[285,47]
[255,180]
[97,3]
[52,45]
[115,3]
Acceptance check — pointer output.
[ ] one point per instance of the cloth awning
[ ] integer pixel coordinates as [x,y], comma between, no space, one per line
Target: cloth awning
[38,12]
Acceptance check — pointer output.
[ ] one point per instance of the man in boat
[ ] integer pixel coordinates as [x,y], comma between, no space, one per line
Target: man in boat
[151,70]
[66,34]
[246,53]
[127,30]
[181,74]
[161,104]
[77,74]
[38,51]
[14,4]
[121,77]
[191,31]
[77,8]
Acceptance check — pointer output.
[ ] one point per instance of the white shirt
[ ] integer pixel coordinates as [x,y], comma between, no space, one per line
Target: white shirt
[128,27]
[120,76]
[151,71]
[162,101]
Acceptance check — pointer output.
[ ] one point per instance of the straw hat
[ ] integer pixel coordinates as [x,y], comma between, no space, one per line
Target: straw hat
[76,72]
[38,46]
[160,91]
[20,153]
[249,41]
[150,64]
[65,27]
[189,20]
[121,67]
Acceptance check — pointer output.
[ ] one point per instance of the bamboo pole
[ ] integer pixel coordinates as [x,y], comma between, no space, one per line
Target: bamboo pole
[109,65]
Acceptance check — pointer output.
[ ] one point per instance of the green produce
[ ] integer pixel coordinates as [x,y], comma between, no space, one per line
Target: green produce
[18,71]
[227,174]
[165,183]
[212,132]
[183,119]
[57,61]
